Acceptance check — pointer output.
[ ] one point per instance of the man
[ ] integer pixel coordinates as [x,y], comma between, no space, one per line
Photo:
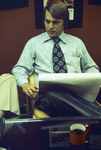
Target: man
[9,104]
[37,57]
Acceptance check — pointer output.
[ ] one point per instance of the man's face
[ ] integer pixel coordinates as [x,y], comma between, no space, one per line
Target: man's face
[54,27]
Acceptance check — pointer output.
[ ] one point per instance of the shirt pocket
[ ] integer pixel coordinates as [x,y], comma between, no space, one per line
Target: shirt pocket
[73,64]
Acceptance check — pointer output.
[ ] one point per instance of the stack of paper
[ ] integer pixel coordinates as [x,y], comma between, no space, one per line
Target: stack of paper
[85,85]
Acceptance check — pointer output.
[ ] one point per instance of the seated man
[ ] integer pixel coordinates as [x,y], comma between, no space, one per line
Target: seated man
[9,104]
[42,54]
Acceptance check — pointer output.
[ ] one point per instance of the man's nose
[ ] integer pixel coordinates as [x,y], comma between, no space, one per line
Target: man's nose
[51,25]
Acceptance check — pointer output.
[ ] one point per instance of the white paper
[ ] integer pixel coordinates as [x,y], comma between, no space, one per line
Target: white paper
[71,13]
[85,85]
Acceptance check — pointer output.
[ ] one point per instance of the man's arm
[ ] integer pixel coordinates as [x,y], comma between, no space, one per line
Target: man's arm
[87,63]
[23,69]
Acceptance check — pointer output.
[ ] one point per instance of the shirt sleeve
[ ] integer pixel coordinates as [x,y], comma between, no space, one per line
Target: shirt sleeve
[24,67]
[87,63]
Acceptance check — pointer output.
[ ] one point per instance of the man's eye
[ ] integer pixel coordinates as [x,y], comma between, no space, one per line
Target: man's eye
[55,22]
[47,21]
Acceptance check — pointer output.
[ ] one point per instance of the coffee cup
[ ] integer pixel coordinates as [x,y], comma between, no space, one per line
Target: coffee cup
[78,133]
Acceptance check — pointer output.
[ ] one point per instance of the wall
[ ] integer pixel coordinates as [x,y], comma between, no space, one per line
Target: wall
[17,26]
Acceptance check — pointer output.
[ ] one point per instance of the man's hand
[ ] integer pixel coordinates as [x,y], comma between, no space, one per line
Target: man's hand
[30,90]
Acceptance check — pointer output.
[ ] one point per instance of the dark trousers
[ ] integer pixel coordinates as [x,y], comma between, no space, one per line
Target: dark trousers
[60,103]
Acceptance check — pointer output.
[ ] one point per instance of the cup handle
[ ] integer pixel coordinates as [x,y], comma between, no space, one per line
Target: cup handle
[87,128]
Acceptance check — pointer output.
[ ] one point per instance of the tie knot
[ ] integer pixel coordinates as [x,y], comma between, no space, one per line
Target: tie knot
[56,39]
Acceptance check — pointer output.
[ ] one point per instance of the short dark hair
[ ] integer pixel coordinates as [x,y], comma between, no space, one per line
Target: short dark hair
[58,10]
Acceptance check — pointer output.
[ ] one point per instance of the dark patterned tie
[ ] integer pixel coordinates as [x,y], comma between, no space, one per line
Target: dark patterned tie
[59,64]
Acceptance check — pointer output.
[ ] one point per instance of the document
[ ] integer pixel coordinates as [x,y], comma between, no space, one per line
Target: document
[84,85]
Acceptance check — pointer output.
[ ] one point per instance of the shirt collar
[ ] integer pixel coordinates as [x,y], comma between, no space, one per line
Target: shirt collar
[62,37]
[47,37]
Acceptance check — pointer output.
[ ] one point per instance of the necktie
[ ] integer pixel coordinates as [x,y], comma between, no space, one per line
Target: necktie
[59,64]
